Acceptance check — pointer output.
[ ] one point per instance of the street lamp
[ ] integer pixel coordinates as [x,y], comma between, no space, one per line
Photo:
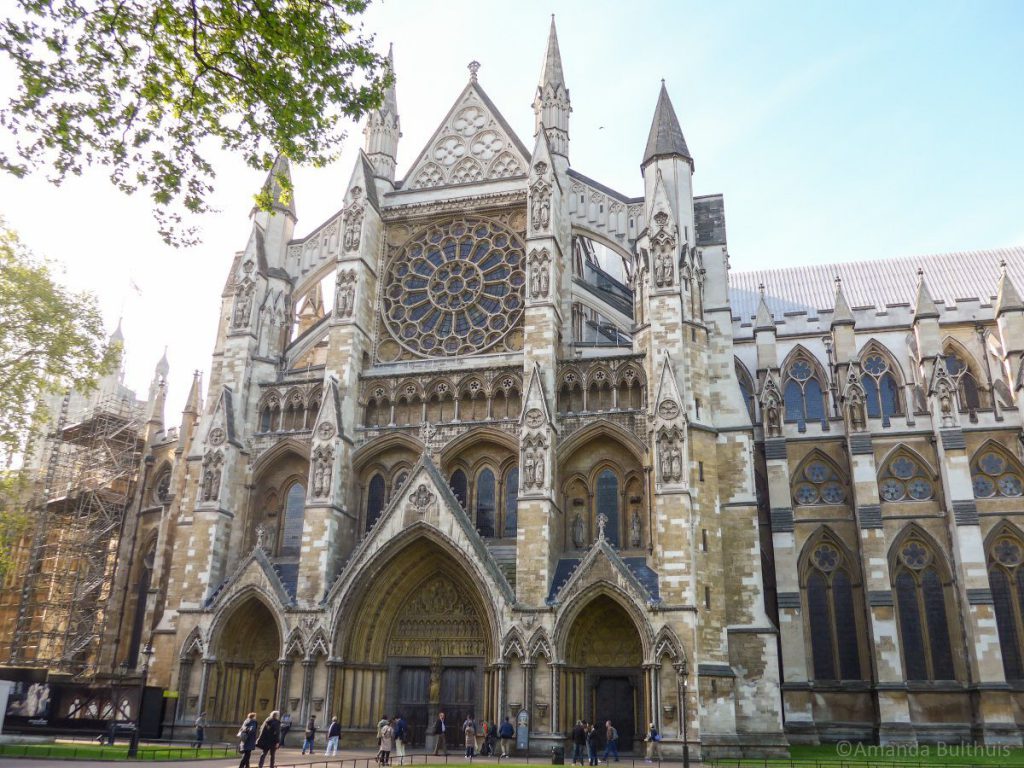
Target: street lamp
[133,745]
[686,740]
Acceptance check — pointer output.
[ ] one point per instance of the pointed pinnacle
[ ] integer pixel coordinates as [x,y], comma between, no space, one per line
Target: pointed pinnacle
[924,306]
[666,136]
[551,71]
[843,315]
[1008,297]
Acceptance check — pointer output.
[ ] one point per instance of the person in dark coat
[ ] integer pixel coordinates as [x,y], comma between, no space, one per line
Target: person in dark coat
[269,737]
[579,742]
[247,738]
[441,731]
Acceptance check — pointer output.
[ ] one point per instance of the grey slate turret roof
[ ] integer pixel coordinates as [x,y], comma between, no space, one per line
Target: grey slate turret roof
[666,137]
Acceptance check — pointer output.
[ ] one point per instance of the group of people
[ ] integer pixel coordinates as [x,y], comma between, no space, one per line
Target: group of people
[269,736]
[392,735]
[472,732]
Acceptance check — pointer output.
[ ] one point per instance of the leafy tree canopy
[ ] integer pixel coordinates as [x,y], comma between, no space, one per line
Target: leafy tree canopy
[146,88]
[50,340]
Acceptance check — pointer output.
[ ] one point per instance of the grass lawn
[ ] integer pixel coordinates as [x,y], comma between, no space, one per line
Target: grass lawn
[87,751]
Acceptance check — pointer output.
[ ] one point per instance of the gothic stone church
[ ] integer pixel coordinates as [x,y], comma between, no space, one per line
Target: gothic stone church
[497,438]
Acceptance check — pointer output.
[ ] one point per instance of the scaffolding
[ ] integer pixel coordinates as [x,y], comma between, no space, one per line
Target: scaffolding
[79,510]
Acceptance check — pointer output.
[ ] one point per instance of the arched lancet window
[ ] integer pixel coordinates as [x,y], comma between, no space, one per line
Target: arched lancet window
[1006,579]
[294,514]
[375,498]
[883,393]
[921,609]
[968,391]
[460,486]
[818,483]
[903,478]
[485,502]
[995,473]
[141,596]
[831,615]
[607,504]
[747,389]
[511,502]
[803,394]
[265,419]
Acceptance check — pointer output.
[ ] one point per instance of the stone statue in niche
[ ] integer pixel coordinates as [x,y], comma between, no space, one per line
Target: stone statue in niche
[857,416]
[346,296]
[578,532]
[540,206]
[772,424]
[243,305]
[323,471]
[353,221]
[529,469]
[664,270]
[671,460]
[211,476]
[539,280]
[946,407]
[634,528]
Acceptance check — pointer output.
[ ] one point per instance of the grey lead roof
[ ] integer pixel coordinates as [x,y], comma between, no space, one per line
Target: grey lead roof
[950,277]
[666,137]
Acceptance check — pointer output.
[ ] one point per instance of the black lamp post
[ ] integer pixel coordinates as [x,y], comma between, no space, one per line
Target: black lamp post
[686,740]
[133,745]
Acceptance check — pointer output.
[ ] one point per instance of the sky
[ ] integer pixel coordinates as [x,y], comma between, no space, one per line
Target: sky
[836,131]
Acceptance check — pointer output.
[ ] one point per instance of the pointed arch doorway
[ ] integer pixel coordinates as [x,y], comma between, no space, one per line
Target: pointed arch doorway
[604,675]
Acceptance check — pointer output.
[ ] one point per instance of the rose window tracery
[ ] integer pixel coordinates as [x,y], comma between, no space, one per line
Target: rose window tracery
[455,288]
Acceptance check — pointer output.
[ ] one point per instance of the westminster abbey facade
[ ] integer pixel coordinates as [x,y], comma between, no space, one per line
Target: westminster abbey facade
[499,439]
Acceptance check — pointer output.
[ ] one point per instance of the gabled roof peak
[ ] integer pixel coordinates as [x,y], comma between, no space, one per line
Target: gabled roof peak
[666,136]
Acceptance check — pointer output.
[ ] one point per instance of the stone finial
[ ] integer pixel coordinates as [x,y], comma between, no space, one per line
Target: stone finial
[473,67]
[602,521]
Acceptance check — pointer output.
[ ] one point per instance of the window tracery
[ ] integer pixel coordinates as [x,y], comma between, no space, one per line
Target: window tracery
[455,288]
[921,603]
[829,595]
[294,515]
[1006,580]
[994,473]
[747,389]
[904,478]
[818,483]
[969,393]
[803,393]
[881,390]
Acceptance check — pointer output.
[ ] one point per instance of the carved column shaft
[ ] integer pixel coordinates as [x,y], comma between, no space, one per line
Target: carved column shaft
[204,682]
[308,666]
[285,677]
[184,683]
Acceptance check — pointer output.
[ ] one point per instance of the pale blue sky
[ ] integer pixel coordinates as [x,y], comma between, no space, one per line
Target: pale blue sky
[835,131]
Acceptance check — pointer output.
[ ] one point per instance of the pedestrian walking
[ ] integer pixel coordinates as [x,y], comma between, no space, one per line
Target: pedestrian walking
[401,734]
[286,725]
[333,737]
[653,746]
[469,730]
[247,738]
[309,735]
[441,732]
[611,741]
[387,744]
[591,743]
[506,733]
[200,730]
[269,738]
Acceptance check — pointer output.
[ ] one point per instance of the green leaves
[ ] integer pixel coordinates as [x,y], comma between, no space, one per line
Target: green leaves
[141,87]
[50,340]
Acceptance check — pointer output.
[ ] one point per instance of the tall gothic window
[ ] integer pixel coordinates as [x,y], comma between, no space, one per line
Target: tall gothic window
[375,499]
[818,483]
[968,391]
[1006,579]
[485,503]
[996,473]
[294,514]
[607,503]
[883,393]
[803,394]
[921,609]
[903,478]
[511,502]
[831,615]
[746,389]
[460,487]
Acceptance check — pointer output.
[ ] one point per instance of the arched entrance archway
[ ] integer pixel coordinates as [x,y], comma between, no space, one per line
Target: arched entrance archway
[244,677]
[419,641]
[604,674]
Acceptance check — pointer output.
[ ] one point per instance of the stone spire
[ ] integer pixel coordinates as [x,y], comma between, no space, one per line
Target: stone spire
[281,169]
[552,106]
[924,306]
[163,368]
[764,320]
[1007,299]
[843,315]
[382,130]
[666,137]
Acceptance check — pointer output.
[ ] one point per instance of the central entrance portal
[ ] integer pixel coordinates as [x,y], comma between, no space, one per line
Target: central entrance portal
[615,700]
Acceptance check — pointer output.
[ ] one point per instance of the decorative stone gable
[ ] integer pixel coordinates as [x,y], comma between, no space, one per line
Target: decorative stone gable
[664,238]
[324,458]
[536,437]
[854,400]
[771,405]
[474,143]
[943,394]
[220,440]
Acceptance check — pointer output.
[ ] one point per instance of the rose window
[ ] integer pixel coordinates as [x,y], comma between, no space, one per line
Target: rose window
[455,288]
[904,479]
[993,475]
[820,485]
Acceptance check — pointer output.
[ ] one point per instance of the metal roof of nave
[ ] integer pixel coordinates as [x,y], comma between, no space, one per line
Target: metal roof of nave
[879,283]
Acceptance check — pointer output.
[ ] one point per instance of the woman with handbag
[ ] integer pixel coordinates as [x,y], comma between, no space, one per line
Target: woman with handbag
[247,738]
